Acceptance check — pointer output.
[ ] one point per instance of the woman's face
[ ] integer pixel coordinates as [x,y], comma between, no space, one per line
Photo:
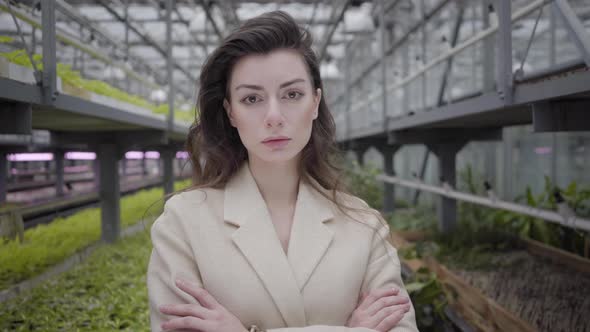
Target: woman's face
[272,95]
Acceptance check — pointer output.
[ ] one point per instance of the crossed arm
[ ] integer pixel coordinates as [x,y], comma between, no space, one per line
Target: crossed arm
[172,258]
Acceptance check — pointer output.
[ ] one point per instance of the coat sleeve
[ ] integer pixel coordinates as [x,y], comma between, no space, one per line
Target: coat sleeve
[171,257]
[384,270]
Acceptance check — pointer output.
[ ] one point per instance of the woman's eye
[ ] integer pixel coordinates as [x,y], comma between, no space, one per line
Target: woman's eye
[250,99]
[293,94]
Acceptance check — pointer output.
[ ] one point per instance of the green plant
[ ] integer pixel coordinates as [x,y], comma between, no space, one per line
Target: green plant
[418,218]
[363,183]
[46,245]
[471,244]
[20,57]
[578,199]
[473,249]
[473,215]
[472,182]
[501,221]
[107,292]
[532,227]
[72,77]
[6,39]
[429,300]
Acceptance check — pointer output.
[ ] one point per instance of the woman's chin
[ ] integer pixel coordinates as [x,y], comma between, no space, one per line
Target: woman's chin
[276,156]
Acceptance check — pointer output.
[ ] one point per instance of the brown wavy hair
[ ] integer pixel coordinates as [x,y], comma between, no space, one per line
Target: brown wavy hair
[212,138]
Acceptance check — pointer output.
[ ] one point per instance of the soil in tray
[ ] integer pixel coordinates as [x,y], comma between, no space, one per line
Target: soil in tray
[551,297]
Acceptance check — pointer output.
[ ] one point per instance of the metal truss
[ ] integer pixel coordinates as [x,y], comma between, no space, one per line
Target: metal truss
[398,75]
[468,80]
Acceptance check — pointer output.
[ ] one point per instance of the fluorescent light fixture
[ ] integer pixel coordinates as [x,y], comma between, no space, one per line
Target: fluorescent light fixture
[75,155]
[31,156]
[152,155]
[134,155]
[181,155]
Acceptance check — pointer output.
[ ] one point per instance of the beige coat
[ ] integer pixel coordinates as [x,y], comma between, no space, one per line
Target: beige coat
[225,241]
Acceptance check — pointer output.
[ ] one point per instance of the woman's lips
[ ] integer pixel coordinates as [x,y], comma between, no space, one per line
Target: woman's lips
[277,143]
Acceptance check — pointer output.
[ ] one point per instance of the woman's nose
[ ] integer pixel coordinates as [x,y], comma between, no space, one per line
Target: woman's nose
[274,117]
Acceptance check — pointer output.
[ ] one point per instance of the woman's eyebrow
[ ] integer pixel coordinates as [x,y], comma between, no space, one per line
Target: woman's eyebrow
[297,80]
[249,86]
[257,87]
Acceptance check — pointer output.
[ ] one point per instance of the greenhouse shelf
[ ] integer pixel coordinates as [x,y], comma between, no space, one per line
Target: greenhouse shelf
[487,110]
[16,72]
[490,110]
[65,108]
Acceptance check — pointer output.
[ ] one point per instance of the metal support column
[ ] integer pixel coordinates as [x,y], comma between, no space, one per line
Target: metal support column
[124,166]
[16,118]
[109,192]
[171,92]
[422,174]
[504,79]
[144,168]
[423,40]
[347,62]
[49,51]
[405,73]
[507,169]
[552,39]
[449,62]
[3,175]
[360,153]
[490,161]
[443,87]
[388,153]
[47,168]
[167,156]
[126,15]
[383,64]
[58,156]
[96,172]
[488,67]
[447,207]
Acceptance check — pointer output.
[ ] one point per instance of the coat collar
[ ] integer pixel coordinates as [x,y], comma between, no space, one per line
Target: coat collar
[283,275]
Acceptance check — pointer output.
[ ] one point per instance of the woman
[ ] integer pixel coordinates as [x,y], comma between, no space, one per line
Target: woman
[266,238]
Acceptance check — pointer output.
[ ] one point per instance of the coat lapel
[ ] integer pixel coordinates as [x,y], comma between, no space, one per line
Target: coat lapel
[283,276]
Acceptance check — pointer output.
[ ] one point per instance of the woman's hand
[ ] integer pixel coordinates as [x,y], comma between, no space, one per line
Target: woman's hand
[379,310]
[210,316]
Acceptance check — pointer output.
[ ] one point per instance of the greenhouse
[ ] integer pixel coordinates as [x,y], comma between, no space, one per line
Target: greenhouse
[457,130]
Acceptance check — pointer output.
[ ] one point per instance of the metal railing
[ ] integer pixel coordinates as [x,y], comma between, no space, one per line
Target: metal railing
[565,217]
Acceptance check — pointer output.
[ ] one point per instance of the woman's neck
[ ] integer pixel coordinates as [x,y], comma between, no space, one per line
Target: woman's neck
[278,182]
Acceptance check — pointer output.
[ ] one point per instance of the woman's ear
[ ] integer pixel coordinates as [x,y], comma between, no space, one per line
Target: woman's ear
[317,98]
[227,108]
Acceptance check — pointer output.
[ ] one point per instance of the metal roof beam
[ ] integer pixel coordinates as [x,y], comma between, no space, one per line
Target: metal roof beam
[229,10]
[398,43]
[75,15]
[336,16]
[207,10]
[184,22]
[148,39]
[187,25]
